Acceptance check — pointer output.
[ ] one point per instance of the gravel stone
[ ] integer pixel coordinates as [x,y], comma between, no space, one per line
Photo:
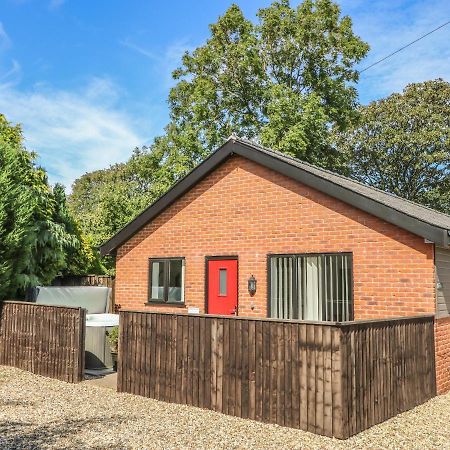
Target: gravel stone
[42,413]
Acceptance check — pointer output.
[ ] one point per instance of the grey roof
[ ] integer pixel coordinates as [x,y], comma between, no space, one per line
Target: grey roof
[408,207]
[418,219]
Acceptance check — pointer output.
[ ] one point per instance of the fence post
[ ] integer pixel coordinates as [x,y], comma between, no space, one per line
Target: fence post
[345,354]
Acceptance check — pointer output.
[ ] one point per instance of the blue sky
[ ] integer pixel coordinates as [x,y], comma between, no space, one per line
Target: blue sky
[89,79]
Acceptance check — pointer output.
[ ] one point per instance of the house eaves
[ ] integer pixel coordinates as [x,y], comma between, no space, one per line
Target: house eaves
[422,221]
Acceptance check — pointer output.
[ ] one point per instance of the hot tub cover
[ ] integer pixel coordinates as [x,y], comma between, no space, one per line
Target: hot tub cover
[93,298]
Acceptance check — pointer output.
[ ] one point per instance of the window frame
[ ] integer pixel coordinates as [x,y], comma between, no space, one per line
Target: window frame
[165,299]
[278,255]
[223,270]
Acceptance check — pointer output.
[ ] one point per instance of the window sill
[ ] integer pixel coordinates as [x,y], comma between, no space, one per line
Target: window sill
[156,303]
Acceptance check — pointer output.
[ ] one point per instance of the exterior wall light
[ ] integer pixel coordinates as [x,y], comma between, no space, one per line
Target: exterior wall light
[252,285]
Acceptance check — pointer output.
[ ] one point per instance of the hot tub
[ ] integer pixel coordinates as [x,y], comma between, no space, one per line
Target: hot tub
[98,351]
[95,299]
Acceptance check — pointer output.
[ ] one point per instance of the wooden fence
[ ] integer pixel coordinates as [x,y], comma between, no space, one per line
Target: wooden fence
[46,340]
[84,280]
[328,378]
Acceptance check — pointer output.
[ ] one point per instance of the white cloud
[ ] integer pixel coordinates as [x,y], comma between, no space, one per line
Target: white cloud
[103,90]
[165,61]
[138,49]
[55,4]
[73,132]
[52,4]
[11,76]
[5,40]
[389,25]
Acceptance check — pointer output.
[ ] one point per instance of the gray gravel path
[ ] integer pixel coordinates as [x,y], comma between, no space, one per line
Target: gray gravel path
[41,413]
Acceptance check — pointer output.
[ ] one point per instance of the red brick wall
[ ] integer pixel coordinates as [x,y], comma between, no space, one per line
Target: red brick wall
[442,343]
[245,209]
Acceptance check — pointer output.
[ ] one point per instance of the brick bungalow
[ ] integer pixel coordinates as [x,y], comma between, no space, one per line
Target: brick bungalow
[254,232]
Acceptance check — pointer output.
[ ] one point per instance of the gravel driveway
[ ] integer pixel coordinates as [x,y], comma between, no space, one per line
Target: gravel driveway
[40,413]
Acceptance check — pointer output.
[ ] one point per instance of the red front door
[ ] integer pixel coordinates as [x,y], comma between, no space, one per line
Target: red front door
[222,292]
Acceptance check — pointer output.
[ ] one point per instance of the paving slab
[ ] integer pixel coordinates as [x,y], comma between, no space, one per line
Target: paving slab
[107,381]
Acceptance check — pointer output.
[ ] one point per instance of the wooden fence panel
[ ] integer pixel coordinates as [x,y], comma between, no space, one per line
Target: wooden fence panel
[334,379]
[84,280]
[46,340]
[243,367]
[389,369]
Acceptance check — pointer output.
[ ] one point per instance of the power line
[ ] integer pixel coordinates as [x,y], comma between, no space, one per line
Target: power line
[405,46]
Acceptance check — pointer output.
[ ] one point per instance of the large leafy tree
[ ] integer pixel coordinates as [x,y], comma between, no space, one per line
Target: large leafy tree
[286,81]
[402,144]
[35,239]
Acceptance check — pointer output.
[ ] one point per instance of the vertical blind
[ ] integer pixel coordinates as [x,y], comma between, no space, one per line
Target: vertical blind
[311,287]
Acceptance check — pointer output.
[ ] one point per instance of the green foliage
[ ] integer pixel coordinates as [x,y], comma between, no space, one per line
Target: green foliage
[285,81]
[10,134]
[402,144]
[80,258]
[36,233]
[106,200]
[113,338]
